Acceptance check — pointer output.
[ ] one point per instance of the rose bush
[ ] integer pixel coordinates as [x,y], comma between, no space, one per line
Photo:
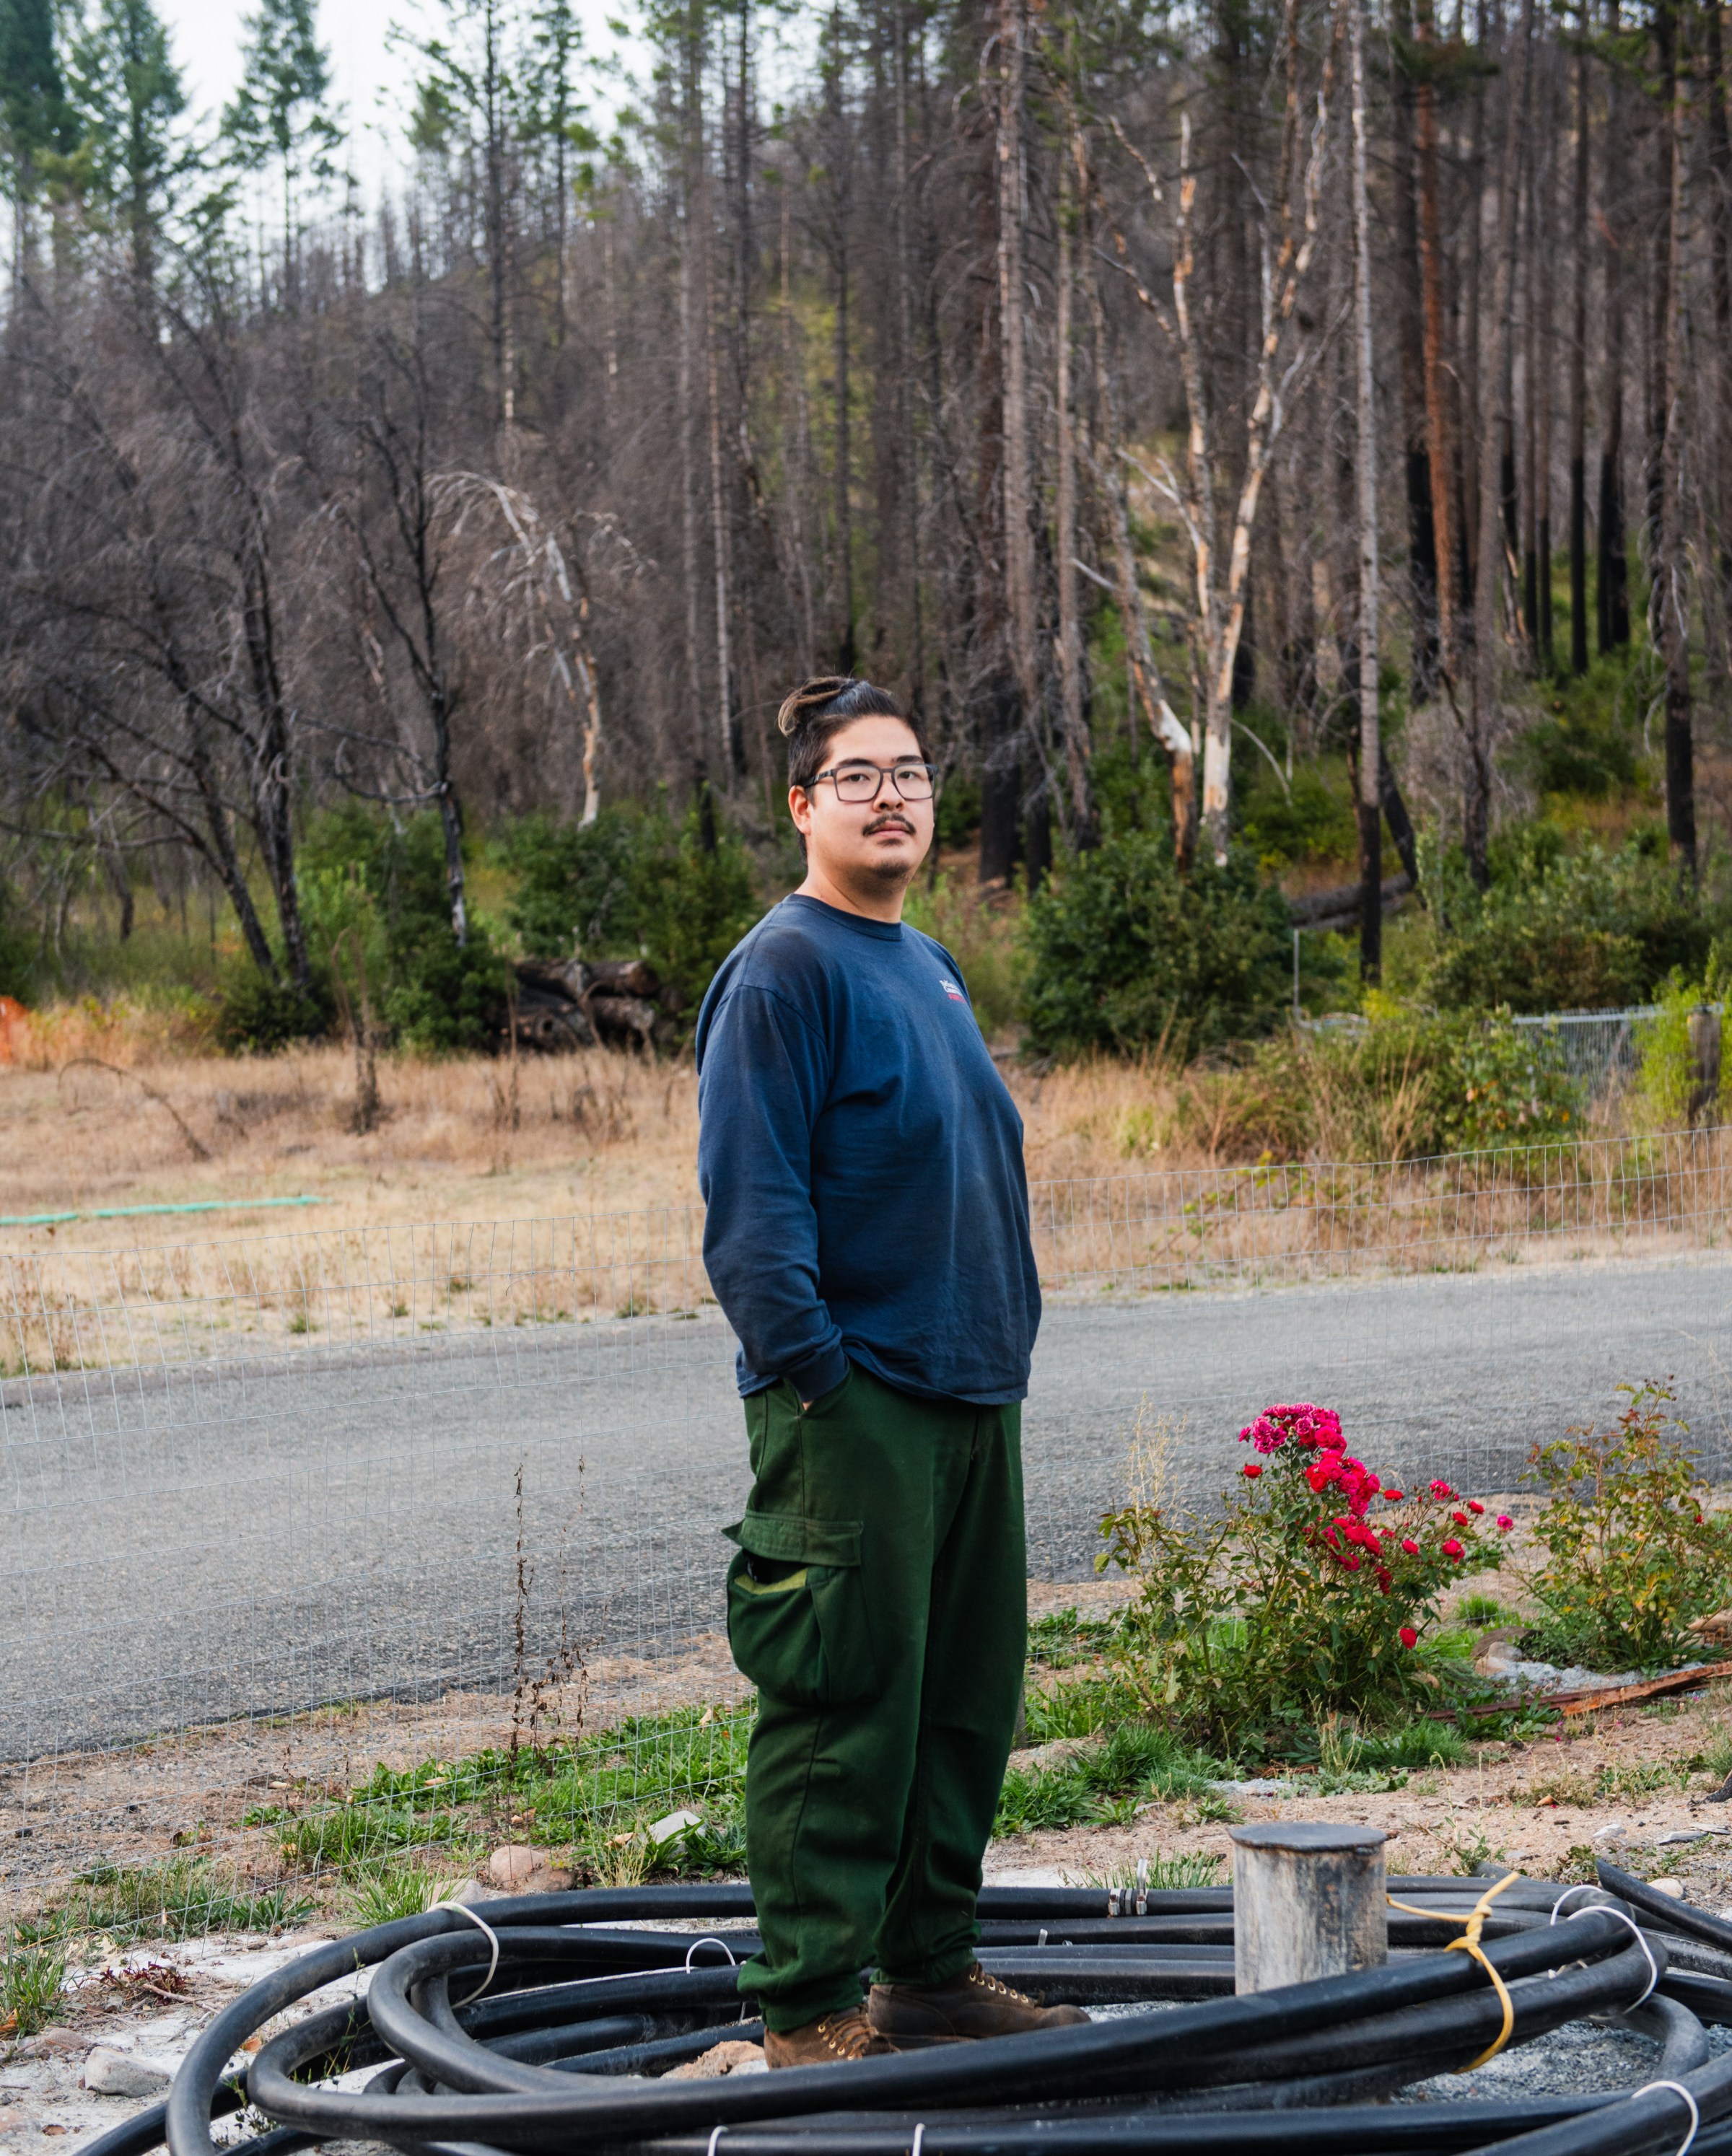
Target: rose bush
[1308,1594]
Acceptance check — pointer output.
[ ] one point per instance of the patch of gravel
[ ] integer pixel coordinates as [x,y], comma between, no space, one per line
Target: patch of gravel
[1583,2055]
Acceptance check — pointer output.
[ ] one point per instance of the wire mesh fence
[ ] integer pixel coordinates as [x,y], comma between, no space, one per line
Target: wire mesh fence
[1600,1050]
[334,1557]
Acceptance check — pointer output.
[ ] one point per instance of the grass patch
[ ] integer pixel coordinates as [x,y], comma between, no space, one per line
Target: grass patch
[596,1797]
[31,1978]
[1157,1875]
[685,1756]
[1715,1757]
[1062,1638]
[178,1900]
[348,1837]
[1569,1785]
[1645,1778]
[1080,1708]
[395,1890]
[1419,1743]
[1135,1764]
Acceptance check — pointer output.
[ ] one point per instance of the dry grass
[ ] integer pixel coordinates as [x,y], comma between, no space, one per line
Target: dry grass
[494,1193]
[467,1139]
[463,1140]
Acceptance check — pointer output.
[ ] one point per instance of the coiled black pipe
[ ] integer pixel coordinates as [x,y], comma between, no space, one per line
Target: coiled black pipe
[581,2018]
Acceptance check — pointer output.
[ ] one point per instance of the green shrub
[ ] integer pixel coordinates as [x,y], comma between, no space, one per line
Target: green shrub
[1583,751]
[375,892]
[1405,1086]
[577,885]
[258,1016]
[1667,1082]
[1510,1088]
[1128,953]
[1315,821]
[18,956]
[1557,931]
[634,883]
[1632,1555]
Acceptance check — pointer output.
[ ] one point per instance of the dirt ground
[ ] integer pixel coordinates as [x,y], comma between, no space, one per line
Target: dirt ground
[129,2016]
[1502,1807]
[1538,1804]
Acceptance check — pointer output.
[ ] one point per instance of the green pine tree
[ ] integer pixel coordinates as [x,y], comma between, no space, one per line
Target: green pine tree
[36,122]
[127,93]
[277,114]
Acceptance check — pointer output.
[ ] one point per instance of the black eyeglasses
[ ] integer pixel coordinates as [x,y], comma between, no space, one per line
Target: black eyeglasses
[865,782]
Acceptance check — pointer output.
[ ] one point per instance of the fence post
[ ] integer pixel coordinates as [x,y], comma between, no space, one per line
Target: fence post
[1704,1023]
[1308,1901]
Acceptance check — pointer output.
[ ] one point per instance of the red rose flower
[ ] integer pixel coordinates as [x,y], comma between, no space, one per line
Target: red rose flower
[1410,1545]
[1460,1518]
[1452,1548]
[1474,1505]
[1409,1638]
[1504,1523]
[1252,1470]
[1392,1496]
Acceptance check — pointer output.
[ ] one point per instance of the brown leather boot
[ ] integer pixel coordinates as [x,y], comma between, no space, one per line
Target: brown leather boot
[826,2041]
[909,2016]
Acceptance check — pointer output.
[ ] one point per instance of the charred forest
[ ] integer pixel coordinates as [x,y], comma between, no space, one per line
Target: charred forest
[1154,399]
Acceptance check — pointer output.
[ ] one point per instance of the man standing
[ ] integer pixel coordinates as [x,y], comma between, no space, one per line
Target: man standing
[867,1236]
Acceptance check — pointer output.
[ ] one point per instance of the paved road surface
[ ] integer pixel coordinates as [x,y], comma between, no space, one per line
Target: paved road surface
[194,1543]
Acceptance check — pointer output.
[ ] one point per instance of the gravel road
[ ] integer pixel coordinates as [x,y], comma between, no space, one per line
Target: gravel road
[184,1543]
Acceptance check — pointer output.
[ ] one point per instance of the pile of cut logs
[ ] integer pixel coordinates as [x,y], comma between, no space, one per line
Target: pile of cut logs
[565,1005]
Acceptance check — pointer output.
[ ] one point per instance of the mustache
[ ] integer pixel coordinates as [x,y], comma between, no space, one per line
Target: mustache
[892,819]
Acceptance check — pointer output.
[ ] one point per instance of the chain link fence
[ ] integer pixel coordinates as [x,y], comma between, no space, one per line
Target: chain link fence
[334,1557]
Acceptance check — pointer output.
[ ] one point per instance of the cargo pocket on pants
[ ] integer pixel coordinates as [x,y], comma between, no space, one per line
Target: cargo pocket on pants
[803,1636]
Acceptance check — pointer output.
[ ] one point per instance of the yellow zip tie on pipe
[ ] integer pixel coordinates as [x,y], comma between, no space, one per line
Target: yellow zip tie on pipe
[1468,1944]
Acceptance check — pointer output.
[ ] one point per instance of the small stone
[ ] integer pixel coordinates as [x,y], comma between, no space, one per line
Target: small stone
[117,2073]
[1613,1831]
[12,2116]
[671,1828]
[1674,1888]
[52,2043]
[1679,1836]
[520,1868]
[735,2057]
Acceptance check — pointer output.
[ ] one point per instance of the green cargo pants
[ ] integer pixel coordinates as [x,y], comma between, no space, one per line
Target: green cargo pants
[878,1601]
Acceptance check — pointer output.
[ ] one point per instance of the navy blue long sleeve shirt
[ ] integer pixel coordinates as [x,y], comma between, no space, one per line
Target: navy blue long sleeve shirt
[860,1161]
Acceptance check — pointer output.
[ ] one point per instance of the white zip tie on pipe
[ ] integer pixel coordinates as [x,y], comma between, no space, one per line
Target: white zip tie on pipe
[1623,1917]
[919,2139]
[1582,1886]
[710,1939]
[1678,2088]
[714,2137]
[462,1909]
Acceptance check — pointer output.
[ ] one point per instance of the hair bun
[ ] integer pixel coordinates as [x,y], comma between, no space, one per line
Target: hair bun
[811,699]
